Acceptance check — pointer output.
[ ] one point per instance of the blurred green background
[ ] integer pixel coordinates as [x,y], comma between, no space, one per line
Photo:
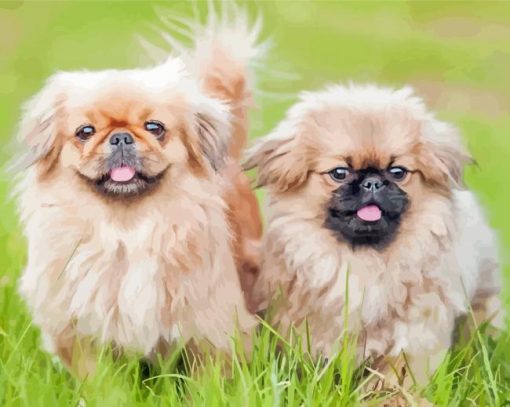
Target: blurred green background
[457,55]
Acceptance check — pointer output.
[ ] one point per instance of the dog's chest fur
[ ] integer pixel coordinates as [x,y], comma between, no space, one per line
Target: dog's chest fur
[118,287]
[123,278]
[403,298]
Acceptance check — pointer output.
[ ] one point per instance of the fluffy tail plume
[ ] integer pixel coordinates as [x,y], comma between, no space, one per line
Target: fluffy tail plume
[224,53]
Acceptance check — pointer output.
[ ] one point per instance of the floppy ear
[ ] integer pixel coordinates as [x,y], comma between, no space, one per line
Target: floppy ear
[281,159]
[444,154]
[37,132]
[214,130]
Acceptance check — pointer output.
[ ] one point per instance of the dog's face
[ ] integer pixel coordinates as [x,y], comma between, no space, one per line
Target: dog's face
[357,160]
[123,131]
[367,206]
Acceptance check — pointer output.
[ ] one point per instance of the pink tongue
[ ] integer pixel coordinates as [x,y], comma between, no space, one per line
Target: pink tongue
[122,174]
[369,213]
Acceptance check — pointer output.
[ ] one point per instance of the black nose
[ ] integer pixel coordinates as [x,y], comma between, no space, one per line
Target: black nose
[372,184]
[121,138]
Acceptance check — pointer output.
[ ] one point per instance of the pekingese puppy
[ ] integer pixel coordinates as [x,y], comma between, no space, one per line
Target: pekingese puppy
[369,223]
[141,226]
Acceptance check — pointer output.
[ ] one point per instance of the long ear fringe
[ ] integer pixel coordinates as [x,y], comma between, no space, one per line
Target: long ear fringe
[37,136]
[213,127]
[280,159]
[447,152]
[213,145]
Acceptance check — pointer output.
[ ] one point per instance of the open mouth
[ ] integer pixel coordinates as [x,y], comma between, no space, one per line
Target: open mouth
[366,219]
[369,213]
[123,173]
[125,181]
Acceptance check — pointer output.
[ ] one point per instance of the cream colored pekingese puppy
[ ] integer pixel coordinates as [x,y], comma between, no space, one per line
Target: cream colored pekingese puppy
[367,211]
[140,224]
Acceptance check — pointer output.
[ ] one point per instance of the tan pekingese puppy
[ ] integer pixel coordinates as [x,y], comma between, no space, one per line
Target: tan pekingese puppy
[141,226]
[367,211]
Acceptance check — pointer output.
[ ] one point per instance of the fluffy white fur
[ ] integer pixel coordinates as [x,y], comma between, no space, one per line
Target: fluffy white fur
[135,274]
[404,298]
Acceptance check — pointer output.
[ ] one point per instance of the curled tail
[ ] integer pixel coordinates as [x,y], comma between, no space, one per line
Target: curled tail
[225,49]
[224,53]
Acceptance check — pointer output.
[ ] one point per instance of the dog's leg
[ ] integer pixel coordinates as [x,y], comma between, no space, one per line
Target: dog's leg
[401,374]
[484,309]
[78,355]
[197,355]
[486,303]
[390,374]
[488,308]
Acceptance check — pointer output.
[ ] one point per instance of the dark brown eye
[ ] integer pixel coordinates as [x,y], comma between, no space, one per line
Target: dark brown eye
[397,173]
[156,128]
[339,174]
[85,132]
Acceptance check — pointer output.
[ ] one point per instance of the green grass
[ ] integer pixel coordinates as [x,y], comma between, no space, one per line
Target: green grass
[456,54]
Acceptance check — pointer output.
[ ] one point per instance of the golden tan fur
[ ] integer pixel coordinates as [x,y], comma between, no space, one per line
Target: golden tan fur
[229,82]
[405,297]
[139,272]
